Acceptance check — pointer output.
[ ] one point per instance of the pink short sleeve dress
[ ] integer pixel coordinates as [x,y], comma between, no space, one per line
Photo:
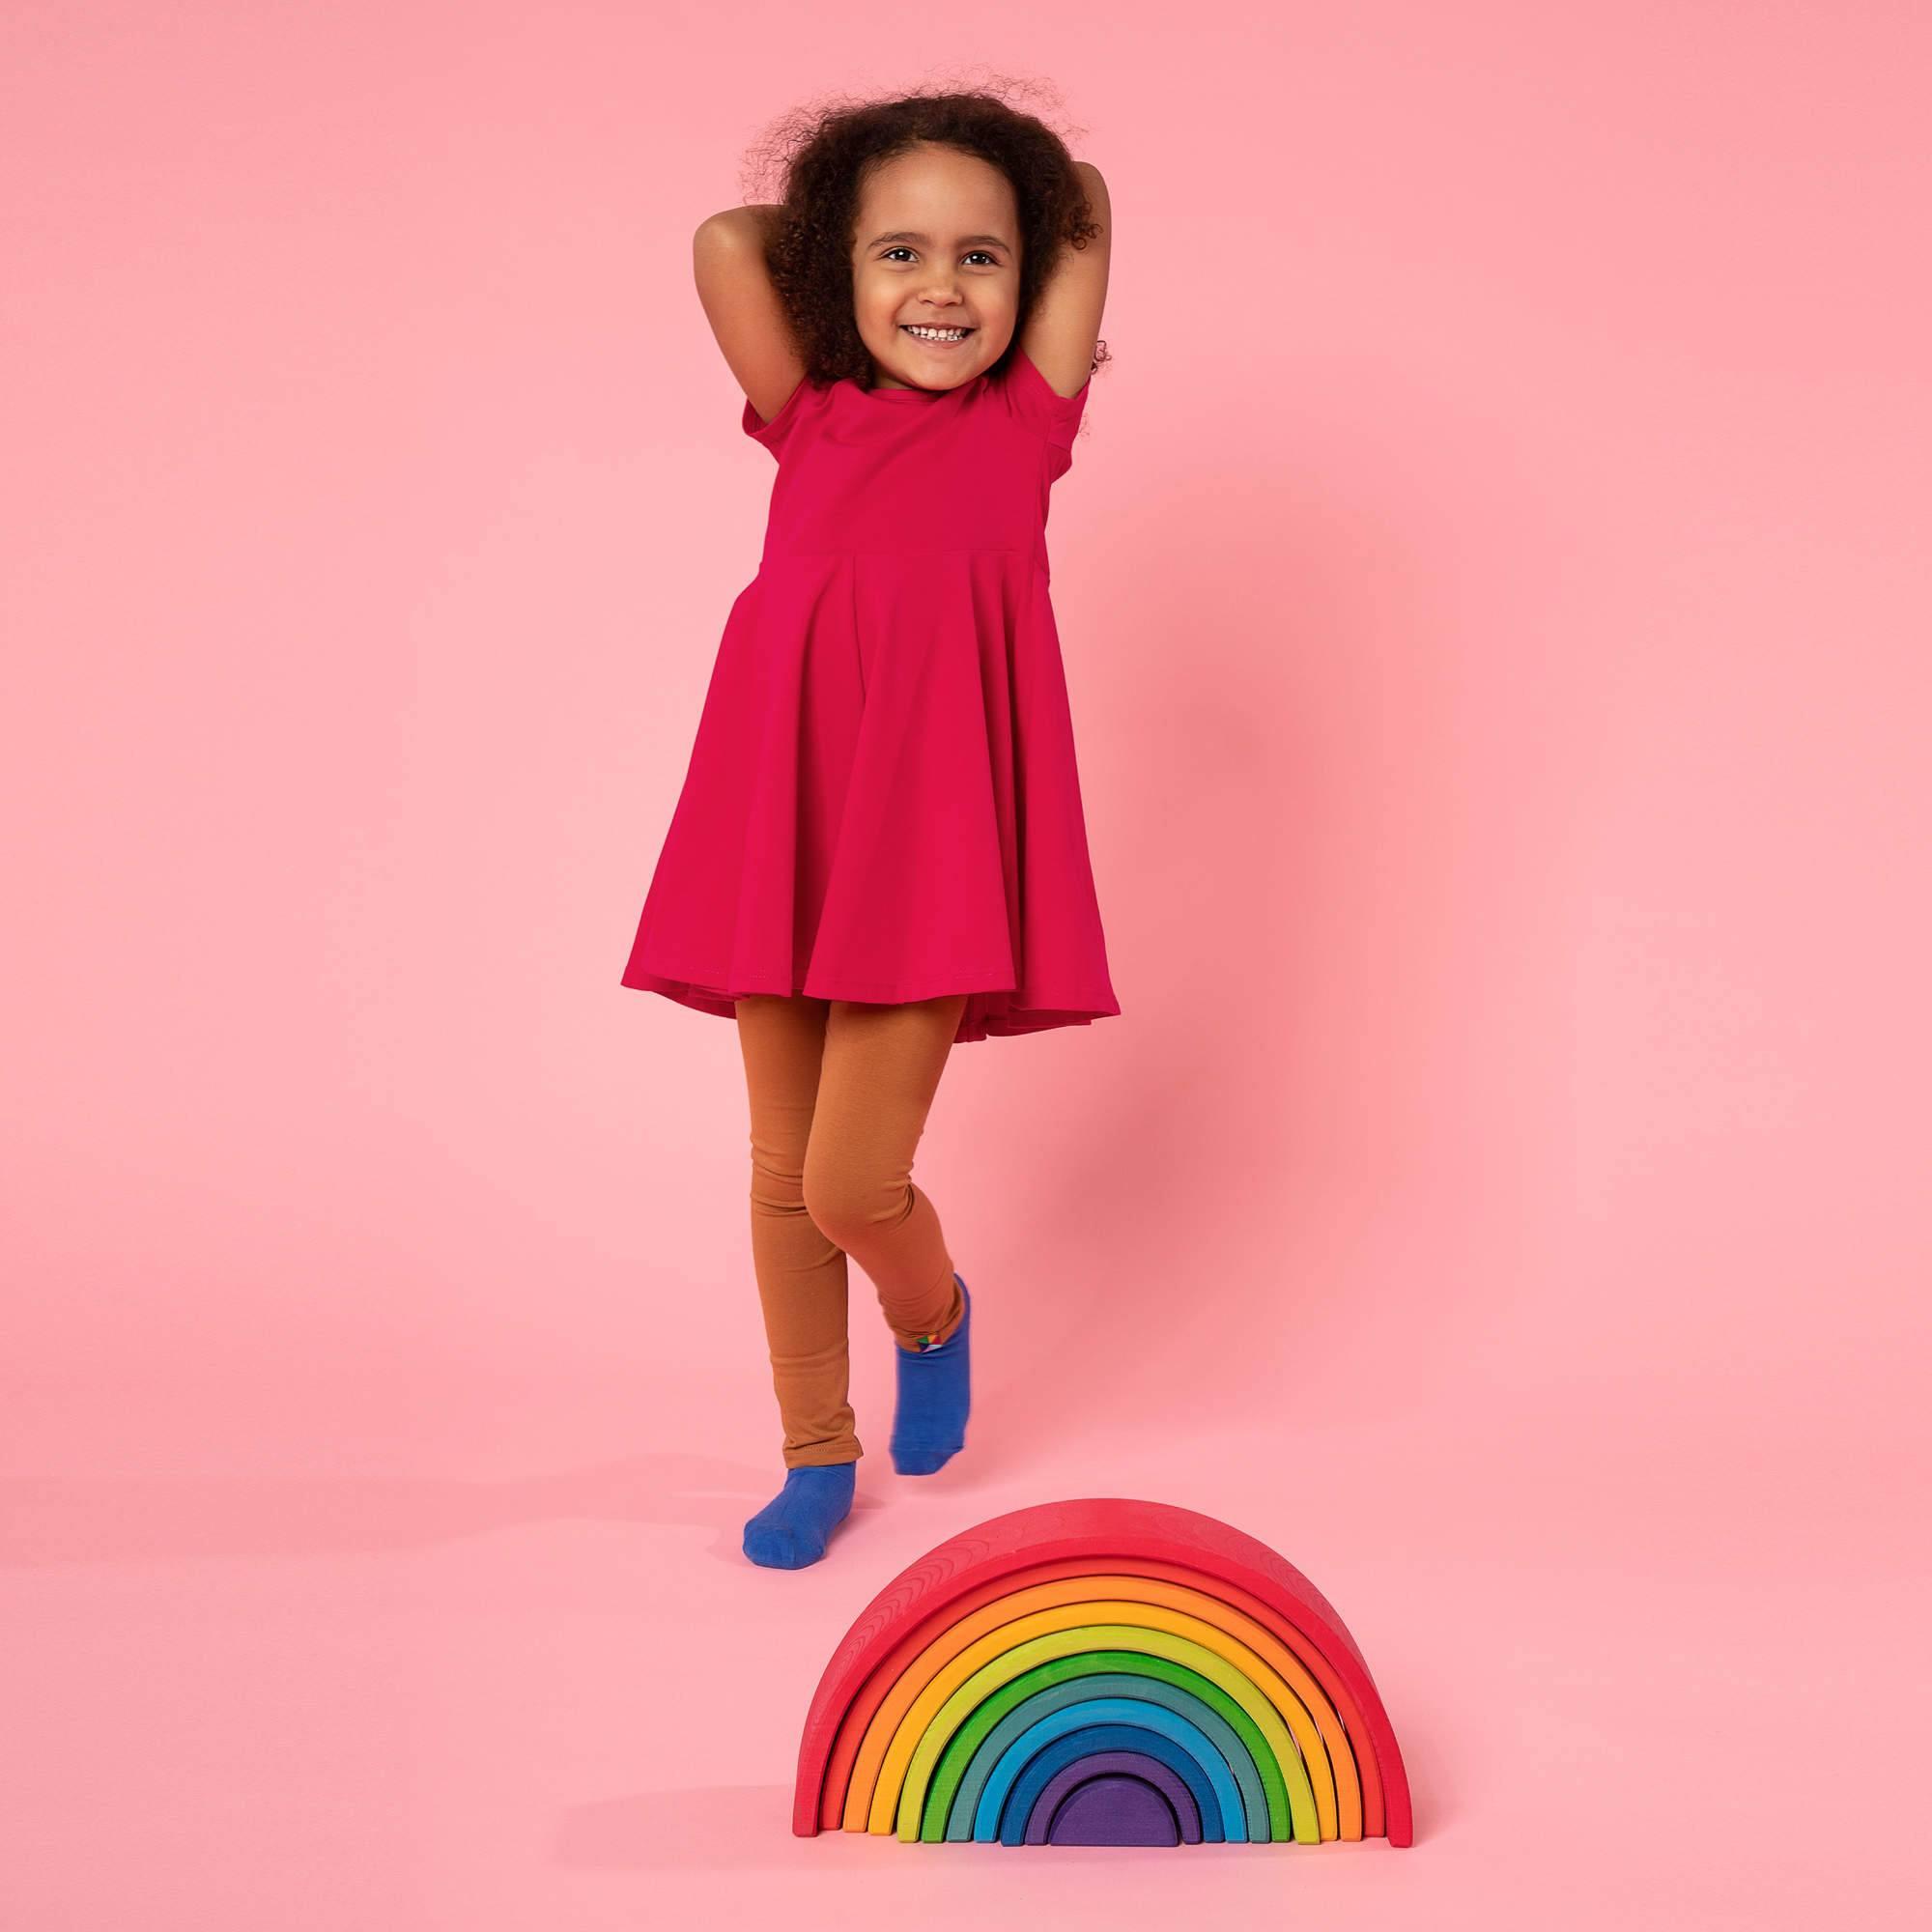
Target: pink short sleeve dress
[882,802]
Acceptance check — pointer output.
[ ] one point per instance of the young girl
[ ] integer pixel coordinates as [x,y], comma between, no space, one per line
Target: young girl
[879,849]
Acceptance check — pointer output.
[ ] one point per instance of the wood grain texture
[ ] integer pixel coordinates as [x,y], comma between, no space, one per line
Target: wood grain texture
[1097,1533]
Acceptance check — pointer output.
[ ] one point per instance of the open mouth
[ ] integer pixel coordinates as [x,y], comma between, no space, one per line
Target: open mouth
[937,338]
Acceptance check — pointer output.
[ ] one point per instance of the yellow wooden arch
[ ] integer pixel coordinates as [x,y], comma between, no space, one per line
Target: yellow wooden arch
[1302,1814]
[932,1677]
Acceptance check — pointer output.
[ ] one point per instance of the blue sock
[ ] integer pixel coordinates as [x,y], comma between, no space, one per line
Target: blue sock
[935,1396]
[790,1530]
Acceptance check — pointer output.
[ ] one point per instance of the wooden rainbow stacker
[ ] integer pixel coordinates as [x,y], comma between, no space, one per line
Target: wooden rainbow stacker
[1100,1672]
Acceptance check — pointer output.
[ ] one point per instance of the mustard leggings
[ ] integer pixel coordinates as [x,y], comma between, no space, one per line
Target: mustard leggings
[839,1093]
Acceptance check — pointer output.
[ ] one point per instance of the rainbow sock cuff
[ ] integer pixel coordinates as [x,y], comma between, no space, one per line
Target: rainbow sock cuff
[923,1344]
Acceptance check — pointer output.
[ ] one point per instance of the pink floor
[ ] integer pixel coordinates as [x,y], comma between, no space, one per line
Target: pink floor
[451,1655]
[1494,592]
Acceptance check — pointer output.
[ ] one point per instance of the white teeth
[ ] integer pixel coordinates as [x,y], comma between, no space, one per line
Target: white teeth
[937,334]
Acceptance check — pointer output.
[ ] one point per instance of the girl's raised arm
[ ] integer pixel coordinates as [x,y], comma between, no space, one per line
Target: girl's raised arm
[727,258]
[1064,325]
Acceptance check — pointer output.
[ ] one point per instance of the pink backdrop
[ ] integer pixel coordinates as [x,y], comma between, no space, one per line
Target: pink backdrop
[1494,601]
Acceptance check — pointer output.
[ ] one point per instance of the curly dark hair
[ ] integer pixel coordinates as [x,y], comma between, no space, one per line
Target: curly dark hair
[821,155]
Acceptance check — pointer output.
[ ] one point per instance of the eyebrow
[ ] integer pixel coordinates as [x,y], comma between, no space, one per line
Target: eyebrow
[911,235]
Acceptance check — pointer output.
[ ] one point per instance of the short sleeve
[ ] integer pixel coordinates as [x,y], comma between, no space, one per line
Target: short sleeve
[774,434]
[1037,404]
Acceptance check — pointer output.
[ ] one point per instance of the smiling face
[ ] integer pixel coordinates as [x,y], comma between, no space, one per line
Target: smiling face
[937,247]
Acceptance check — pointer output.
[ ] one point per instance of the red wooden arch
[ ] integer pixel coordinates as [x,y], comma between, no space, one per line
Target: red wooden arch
[1097,1533]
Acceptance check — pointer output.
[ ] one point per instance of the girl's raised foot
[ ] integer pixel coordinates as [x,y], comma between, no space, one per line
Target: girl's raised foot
[935,1396]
